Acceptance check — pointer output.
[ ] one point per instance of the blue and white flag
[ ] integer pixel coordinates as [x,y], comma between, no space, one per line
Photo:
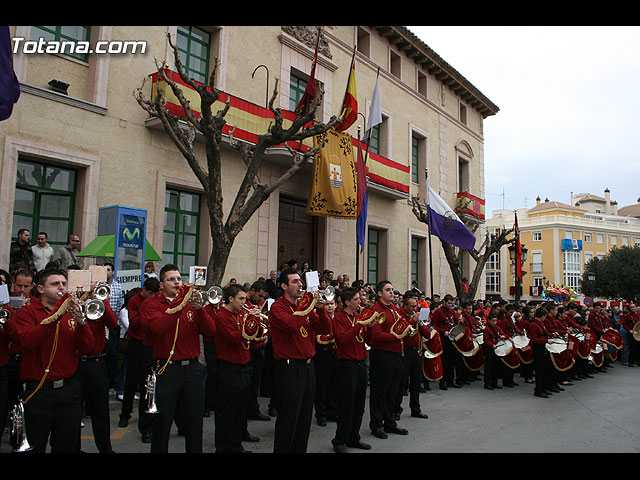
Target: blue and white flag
[446,225]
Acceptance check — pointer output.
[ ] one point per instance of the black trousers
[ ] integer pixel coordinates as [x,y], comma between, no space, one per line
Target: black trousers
[234,390]
[351,382]
[325,365]
[452,364]
[385,376]
[179,393]
[94,380]
[137,371]
[294,384]
[411,377]
[4,396]
[54,412]
[211,384]
[257,365]
[543,369]
[491,366]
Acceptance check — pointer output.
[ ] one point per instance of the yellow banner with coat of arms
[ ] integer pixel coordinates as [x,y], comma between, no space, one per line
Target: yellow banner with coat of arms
[334,189]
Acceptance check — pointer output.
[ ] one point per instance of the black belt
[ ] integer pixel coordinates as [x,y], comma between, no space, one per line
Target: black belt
[289,361]
[92,358]
[52,384]
[190,361]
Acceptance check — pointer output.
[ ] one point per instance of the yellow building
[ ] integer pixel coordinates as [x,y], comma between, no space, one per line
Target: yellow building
[78,141]
[560,240]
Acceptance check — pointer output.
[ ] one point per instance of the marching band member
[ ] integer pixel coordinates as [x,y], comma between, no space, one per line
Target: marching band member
[137,367]
[491,335]
[385,366]
[412,360]
[598,323]
[94,379]
[507,324]
[51,339]
[539,337]
[234,371]
[351,336]
[176,325]
[324,364]
[294,323]
[255,298]
[444,318]
[627,322]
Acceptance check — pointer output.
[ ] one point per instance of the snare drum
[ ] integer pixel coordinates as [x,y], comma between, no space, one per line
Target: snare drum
[520,341]
[557,345]
[503,347]
[478,339]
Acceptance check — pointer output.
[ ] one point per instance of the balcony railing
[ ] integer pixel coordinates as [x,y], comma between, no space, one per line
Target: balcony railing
[535,267]
[470,205]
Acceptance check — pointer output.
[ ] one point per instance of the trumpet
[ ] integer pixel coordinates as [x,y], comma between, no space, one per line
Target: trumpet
[213,296]
[326,295]
[263,316]
[18,430]
[254,326]
[92,308]
[5,315]
[150,384]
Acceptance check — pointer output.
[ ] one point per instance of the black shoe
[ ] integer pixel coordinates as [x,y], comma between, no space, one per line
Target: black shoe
[261,417]
[488,387]
[419,415]
[247,437]
[321,422]
[541,395]
[553,390]
[443,386]
[340,449]
[123,422]
[397,430]
[380,433]
[497,387]
[508,385]
[360,445]
[146,437]
[454,385]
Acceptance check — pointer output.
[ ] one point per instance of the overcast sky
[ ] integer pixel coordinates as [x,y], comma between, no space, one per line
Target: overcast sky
[569,108]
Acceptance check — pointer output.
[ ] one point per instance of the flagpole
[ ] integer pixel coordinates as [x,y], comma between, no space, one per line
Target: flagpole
[426,175]
[357,244]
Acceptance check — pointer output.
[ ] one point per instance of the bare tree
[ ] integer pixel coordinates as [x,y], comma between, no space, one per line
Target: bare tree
[491,244]
[252,192]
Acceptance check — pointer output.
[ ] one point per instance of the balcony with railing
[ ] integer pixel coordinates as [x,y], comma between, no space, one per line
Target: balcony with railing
[245,121]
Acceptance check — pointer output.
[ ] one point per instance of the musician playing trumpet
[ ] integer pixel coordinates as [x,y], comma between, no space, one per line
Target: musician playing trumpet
[94,376]
[412,356]
[51,339]
[176,324]
[294,321]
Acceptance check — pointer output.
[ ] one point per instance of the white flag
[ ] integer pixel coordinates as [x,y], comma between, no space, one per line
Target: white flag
[375,114]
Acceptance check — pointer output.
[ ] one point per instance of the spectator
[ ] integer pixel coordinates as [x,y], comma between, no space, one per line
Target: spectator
[42,251]
[21,255]
[68,254]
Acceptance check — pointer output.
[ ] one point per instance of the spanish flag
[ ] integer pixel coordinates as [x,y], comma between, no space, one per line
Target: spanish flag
[349,110]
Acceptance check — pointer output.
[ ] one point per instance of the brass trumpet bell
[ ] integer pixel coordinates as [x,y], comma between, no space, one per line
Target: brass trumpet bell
[4,315]
[213,295]
[328,294]
[101,292]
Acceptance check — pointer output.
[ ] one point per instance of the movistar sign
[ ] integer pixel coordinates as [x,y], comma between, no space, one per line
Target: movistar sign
[131,228]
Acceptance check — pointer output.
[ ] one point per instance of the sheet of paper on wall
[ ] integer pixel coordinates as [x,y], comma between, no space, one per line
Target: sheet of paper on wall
[98,273]
[78,279]
[313,281]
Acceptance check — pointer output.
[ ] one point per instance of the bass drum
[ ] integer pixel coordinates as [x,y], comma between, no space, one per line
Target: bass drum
[432,368]
[612,340]
[511,359]
[432,347]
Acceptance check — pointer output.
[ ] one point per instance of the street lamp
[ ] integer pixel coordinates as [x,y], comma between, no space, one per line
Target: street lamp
[512,257]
